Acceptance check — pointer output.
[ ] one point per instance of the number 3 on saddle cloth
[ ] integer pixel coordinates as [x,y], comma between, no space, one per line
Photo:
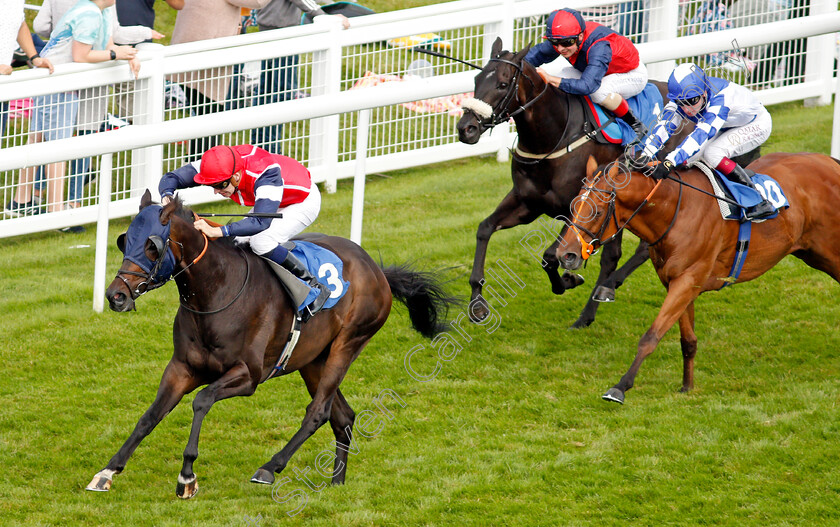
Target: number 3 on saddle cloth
[765,187]
[647,106]
[323,264]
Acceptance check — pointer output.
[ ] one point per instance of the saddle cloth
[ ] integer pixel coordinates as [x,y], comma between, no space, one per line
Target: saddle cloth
[647,106]
[764,187]
[323,264]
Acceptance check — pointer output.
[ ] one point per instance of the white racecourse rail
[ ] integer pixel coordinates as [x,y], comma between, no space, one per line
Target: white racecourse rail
[364,111]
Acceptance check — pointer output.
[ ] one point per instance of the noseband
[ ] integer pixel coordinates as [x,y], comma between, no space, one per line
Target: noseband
[490,116]
[149,283]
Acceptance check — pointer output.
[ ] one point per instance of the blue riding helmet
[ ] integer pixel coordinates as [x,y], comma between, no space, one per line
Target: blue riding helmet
[686,81]
[144,226]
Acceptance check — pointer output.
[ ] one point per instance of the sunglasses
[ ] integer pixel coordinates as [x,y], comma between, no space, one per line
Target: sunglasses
[221,185]
[689,102]
[563,42]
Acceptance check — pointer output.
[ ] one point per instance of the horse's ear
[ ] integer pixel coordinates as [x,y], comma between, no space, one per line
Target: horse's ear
[521,53]
[497,47]
[591,166]
[121,243]
[612,171]
[146,200]
[168,209]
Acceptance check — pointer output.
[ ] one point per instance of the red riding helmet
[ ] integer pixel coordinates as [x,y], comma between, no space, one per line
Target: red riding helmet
[564,23]
[218,164]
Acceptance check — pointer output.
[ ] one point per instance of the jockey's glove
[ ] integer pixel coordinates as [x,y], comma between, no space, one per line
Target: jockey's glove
[661,170]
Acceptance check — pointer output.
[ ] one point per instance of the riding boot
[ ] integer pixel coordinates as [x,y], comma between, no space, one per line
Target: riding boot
[635,124]
[296,267]
[744,177]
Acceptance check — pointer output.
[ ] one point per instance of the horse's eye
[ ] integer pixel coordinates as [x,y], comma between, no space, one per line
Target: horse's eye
[503,85]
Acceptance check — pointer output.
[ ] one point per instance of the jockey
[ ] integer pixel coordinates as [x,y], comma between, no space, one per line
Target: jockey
[606,65]
[269,183]
[729,122]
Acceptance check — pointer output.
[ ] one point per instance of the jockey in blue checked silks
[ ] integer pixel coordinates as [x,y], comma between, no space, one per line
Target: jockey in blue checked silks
[606,65]
[270,183]
[729,120]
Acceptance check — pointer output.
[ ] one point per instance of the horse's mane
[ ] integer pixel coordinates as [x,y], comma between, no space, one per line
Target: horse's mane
[185,213]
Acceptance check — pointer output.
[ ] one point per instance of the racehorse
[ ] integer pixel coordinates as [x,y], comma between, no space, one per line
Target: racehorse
[693,248]
[234,321]
[547,166]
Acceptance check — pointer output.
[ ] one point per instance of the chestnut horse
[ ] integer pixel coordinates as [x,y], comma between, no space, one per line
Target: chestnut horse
[692,247]
[235,320]
[547,166]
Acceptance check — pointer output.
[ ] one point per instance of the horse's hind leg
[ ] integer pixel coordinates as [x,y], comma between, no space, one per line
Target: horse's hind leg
[235,381]
[176,381]
[688,344]
[341,355]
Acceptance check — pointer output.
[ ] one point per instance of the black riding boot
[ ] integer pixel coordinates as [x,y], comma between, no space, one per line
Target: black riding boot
[296,267]
[635,124]
[744,177]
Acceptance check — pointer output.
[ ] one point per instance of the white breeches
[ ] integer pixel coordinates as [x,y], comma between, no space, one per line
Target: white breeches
[735,141]
[295,218]
[625,84]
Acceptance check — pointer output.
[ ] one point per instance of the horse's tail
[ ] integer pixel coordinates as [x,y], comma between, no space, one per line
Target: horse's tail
[424,296]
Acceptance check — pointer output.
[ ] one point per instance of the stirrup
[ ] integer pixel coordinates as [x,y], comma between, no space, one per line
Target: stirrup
[312,309]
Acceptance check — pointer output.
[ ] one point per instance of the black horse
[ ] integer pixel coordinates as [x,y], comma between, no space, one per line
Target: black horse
[234,323]
[548,165]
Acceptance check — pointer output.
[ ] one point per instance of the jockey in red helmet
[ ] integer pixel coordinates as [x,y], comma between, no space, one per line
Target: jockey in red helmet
[605,64]
[269,183]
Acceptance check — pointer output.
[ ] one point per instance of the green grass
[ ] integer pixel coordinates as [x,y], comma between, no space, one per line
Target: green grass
[511,431]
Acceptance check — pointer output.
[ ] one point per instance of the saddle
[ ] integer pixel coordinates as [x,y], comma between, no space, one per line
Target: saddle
[298,291]
[745,196]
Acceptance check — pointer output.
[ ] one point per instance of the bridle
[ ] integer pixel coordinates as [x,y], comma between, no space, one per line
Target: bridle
[587,249]
[500,112]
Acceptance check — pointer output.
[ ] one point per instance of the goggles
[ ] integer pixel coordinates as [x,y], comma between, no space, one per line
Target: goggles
[689,102]
[221,185]
[563,42]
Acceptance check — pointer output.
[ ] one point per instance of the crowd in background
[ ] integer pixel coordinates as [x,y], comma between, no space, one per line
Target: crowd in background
[102,30]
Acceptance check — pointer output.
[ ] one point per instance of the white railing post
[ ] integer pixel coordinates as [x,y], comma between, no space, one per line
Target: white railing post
[153,111]
[835,125]
[101,258]
[326,79]
[147,163]
[664,20]
[819,58]
[357,213]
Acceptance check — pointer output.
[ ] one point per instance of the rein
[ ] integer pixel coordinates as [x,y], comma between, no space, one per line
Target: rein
[241,290]
[136,293]
[587,248]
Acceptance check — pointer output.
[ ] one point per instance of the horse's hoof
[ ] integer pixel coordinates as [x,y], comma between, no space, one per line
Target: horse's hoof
[615,395]
[572,280]
[581,323]
[101,482]
[263,477]
[603,294]
[478,314]
[186,488]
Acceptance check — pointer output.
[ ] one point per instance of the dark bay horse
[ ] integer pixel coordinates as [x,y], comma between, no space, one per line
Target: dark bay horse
[546,176]
[235,319]
[692,247]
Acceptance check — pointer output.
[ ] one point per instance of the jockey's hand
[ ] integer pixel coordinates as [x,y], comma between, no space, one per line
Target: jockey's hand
[548,78]
[210,232]
[661,170]
[165,200]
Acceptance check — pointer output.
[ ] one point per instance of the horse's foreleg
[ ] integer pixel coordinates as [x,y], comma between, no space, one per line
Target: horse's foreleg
[509,213]
[604,290]
[341,355]
[681,293]
[234,382]
[559,283]
[688,344]
[177,380]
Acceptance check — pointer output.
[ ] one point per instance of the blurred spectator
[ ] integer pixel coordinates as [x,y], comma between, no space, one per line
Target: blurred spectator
[83,34]
[139,14]
[14,32]
[279,76]
[206,89]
